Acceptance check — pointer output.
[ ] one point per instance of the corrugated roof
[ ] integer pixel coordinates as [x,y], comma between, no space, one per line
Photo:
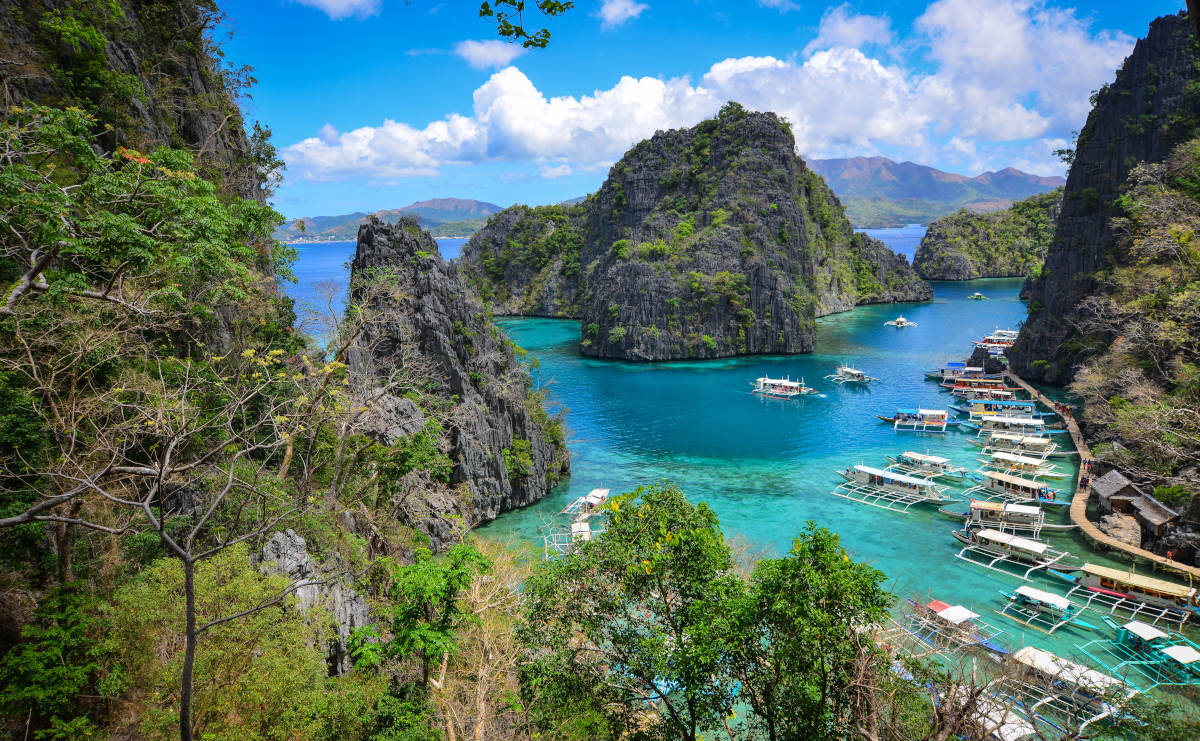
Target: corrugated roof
[1112,482]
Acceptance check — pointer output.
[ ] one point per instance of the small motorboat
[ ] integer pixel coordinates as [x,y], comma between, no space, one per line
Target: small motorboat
[899,321]
[977,296]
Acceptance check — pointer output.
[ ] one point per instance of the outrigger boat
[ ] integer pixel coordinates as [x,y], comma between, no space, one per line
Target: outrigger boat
[1005,487]
[587,505]
[899,321]
[920,420]
[1034,445]
[1107,590]
[998,394]
[923,464]
[889,489]
[847,374]
[1029,605]
[780,388]
[1034,468]
[977,296]
[1027,426]
[978,408]
[1075,691]
[990,548]
[965,384]
[951,371]
[999,337]
[1006,517]
[1157,656]
[952,626]
[562,543]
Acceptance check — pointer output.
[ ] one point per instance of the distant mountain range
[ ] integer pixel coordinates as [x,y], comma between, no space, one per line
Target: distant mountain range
[879,192]
[443,217]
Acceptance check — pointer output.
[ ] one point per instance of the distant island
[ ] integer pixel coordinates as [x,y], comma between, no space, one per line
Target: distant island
[878,192]
[441,217]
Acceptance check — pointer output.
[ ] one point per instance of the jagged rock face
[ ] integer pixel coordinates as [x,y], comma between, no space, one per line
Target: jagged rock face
[1000,244]
[1152,105]
[980,358]
[702,243]
[286,553]
[434,329]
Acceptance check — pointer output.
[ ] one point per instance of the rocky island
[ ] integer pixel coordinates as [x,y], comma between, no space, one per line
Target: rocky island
[1001,244]
[702,243]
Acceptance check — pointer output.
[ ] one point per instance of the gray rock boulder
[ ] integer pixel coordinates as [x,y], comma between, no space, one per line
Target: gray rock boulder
[286,553]
[1122,527]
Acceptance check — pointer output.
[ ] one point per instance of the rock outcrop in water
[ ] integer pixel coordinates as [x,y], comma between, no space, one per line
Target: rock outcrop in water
[702,243]
[1152,105]
[1002,244]
[505,450]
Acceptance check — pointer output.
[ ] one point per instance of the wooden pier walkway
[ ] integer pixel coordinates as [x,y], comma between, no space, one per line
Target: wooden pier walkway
[1083,490]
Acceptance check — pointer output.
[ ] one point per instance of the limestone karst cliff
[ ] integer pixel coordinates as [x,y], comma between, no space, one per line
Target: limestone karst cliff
[704,242]
[476,404]
[1001,244]
[1152,105]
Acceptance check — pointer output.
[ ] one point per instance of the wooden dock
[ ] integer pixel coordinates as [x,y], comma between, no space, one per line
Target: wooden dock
[1083,490]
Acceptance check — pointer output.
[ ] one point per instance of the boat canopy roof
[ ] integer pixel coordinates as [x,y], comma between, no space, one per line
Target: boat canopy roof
[596,496]
[924,457]
[1004,402]
[1023,509]
[1048,598]
[1036,442]
[993,393]
[581,528]
[1137,580]
[893,476]
[1014,480]
[987,506]
[1014,458]
[1144,631]
[955,364]
[1013,541]
[1018,421]
[1049,665]
[956,614]
[779,382]
[1182,654]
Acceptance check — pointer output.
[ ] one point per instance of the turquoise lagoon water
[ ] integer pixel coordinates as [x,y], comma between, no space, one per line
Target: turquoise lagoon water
[767,466]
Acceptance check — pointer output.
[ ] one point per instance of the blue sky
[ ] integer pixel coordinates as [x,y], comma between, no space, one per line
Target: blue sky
[378,103]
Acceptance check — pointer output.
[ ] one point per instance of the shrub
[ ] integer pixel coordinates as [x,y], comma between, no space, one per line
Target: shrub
[621,249]
[616,335]
[518,459]
[708,342]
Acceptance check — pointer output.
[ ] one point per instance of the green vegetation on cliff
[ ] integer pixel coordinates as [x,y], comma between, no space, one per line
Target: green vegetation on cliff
[1002,244]
[703,242]
[1141,329]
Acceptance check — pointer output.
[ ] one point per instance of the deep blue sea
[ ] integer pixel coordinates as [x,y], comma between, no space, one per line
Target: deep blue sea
[767,466]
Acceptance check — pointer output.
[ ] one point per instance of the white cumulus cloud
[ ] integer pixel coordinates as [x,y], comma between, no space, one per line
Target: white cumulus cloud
[338,9]
[484,54]
[975,100]
[614,13]
[841,26]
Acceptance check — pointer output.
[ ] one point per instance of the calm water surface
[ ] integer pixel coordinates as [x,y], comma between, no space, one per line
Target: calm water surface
[767,466]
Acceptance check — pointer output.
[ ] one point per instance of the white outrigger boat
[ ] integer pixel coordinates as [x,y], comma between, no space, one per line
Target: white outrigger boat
[919,420]
[848,374]
[991,548]
[562,543]
[581,508]
[1111,591]
[978,408]
[780,388]
[1034,607]
[899,321]
[1158,657]
[1027,426]
[998,338]
[977,296]
[1005,487]
[951,371]
[1028,466]
[983,387]
[1035,446]
[1052,685]
[1008,517]
[952,626]
[892,490]
[923,464]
